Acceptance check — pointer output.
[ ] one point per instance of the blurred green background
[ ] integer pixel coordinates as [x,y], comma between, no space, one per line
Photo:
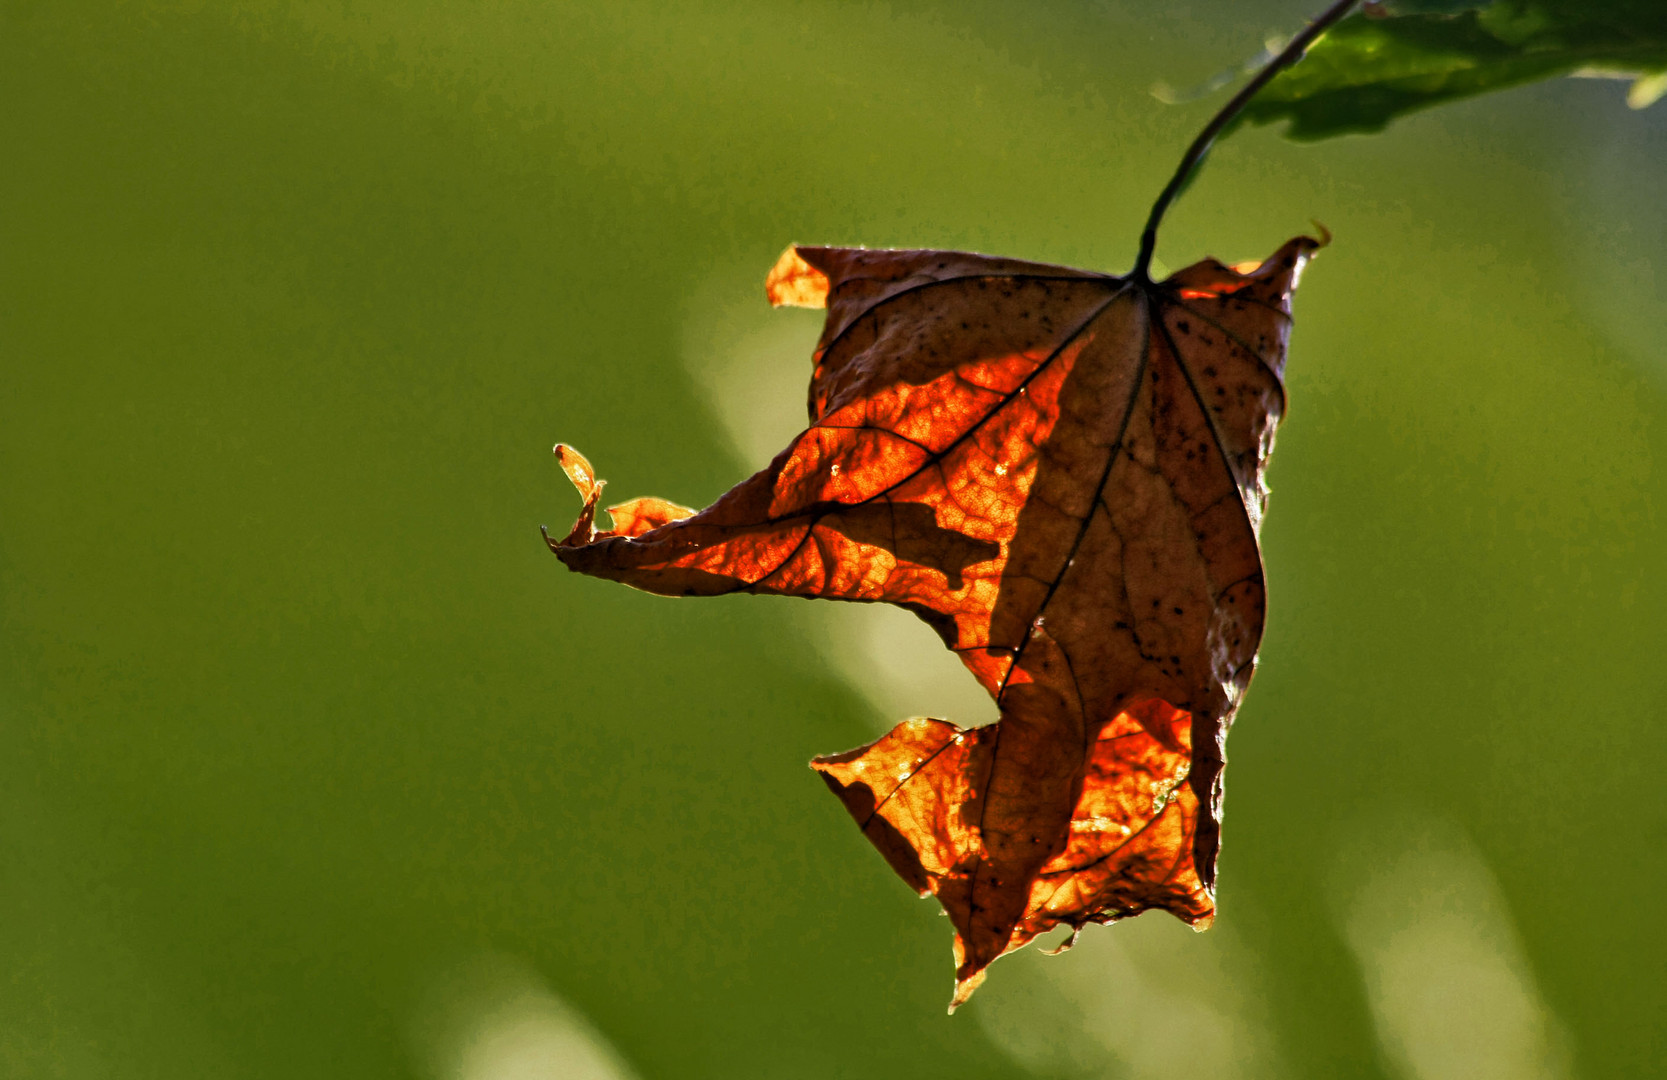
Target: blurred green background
[314,763]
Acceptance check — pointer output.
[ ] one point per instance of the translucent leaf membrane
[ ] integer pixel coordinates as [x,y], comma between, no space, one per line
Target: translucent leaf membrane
[1061,473]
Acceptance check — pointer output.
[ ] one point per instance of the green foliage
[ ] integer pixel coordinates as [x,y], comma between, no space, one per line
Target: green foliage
[1375,66]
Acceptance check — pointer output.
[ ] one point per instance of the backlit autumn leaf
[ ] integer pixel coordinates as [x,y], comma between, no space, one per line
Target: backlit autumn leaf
[1061,473]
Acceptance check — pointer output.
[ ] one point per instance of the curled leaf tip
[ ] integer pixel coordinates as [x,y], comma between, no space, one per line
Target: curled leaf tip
[583,477]
[793,282]
[579,471]
[631,519]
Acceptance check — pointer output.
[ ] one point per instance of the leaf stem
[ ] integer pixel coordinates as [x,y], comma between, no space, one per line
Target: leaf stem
[1201,145]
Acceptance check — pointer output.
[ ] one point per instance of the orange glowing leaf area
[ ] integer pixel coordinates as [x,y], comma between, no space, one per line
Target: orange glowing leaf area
[1060,472]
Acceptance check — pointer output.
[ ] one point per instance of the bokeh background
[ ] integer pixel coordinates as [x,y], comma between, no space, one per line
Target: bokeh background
[314,763]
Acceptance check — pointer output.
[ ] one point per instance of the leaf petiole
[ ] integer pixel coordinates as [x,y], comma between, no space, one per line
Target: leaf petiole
[1201,145]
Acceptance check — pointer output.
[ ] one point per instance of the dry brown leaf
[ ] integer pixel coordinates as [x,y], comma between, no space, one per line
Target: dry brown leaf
[1061,473]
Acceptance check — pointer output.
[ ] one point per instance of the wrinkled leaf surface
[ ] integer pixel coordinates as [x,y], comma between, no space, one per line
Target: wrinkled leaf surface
[1061,473]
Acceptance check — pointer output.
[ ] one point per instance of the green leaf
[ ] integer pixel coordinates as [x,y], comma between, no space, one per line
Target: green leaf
[1371,68]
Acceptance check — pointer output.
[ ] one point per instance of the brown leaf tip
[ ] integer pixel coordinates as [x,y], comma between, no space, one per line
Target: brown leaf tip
[792,282]
[964,988]
[578,471]
[631,518]
[1276,276]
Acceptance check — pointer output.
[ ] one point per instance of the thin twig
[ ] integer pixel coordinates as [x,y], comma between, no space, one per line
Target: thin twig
[1201,145]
